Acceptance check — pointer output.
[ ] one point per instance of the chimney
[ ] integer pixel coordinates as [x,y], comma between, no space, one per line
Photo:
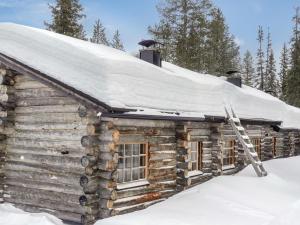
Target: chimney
[150,52]
[234,77]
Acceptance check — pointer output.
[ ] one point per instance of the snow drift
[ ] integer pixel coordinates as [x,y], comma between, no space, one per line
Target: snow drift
[123,81]
[243,199]
[230,200]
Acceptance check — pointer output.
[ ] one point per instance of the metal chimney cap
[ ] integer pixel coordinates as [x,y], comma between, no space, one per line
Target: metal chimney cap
[148,43]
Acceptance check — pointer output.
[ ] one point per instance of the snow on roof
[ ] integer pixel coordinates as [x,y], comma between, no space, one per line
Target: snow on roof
[124,81]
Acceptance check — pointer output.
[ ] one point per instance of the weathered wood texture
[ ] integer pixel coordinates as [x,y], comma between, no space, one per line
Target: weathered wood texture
[43,150]
[160,139]
[185,134]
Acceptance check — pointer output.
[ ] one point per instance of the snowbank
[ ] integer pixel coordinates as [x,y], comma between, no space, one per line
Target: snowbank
[230,200]
[123,81]
[10,215]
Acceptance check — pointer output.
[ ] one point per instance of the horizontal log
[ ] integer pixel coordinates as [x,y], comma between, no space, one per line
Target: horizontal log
[107,165]
[140,123]
[29,85]
[69,135]
[61,188]
[104,193]
[47,109]
[85,200]
[50,126]
[88,161]
[105,203]
[50,118]
[45,101]
[39,93]
[105,213]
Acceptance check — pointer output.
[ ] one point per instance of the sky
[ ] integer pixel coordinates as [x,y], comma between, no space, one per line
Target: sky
[132,17]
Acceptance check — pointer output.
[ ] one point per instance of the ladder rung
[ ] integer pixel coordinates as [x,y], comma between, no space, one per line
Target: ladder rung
[245,137]
[250,145]
[240,128]
[259,163]
[236,120]
[253,154]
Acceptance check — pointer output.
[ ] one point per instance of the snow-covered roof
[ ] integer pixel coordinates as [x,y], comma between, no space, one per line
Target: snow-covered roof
[123,81]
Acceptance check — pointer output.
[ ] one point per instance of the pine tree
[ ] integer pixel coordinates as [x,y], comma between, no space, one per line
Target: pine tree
[99,35]
[271,82]
[66,17]
[259,76]
[248,69]
[116,41]
[293,78]
[284,67]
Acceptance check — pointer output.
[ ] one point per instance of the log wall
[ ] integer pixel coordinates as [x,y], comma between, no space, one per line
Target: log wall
[43,150]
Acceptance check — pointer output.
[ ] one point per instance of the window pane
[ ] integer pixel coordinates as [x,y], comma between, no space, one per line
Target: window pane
[128,150]
[142,173]
[128,162]
[121,163]
[127,175]
[194,166]
[136,161]
[142,161]
[121,150]
[135,174]
[136,149]
[142,149]
[120,176]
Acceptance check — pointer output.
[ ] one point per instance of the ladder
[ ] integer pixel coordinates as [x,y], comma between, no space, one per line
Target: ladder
[250,153]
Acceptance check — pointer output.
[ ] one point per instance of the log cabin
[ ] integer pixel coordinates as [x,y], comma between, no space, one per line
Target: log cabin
[88,132]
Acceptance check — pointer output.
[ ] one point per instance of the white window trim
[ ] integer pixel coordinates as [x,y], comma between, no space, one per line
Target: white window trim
[132,184]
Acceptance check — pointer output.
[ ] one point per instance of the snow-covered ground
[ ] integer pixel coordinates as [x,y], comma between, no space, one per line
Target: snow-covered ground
[242,199]
[10,215]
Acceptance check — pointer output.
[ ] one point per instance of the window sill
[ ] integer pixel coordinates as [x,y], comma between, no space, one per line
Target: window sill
[228,167]
[132,184]
[194,173]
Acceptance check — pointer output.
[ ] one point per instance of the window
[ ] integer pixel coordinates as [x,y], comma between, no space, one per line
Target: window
[196,155]
[228,153]
[133,162]
[257,146]
[274,146]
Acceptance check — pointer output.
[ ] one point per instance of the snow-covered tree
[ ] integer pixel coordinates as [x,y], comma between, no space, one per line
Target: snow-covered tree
[259,78]
[293,80]
[248,69]
[284,67]
[116,41]
[66,17]
[99,35]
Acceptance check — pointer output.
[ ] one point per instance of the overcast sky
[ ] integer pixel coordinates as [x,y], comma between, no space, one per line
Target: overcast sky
[132,17]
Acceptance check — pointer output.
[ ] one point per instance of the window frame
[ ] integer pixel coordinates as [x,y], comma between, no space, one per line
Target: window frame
[274,144]
[199,155]
[145,167]
[257,146]
[231,157]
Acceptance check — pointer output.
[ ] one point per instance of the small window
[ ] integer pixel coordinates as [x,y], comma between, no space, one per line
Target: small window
[228,153]
[133,162]
[257,146]
[196,155]
[274,146]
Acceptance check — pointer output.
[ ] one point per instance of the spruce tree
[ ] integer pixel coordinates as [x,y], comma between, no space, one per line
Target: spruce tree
[271,81]
[66,17]
[99,35]
[248,69]
[259,76]
[284,67]
[293,78]
[116,41]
